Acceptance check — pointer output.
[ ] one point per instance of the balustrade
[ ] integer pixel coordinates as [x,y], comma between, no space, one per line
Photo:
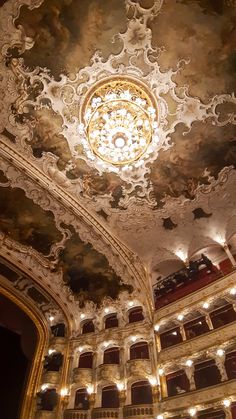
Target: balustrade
[105,413]
[142,411]
[75,414]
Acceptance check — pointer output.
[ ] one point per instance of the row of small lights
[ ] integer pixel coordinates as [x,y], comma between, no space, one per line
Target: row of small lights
[193,410]
[108,310]
[205,305]
[220,352]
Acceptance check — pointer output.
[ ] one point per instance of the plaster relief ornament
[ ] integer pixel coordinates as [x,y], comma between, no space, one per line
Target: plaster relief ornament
[117,115]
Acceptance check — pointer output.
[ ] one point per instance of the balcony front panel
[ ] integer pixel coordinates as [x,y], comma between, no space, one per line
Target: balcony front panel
[52,377]
[140,367]
[75,414]
[110,372]
[45,414]
[105,413]
[199,343]
[197,397]
[214,289]
[141,411]
[82,375]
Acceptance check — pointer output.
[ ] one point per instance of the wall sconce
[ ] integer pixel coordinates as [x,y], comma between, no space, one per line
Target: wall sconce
[90,389]
[226,402]
[82,316]
[180,317]
[80,348]
[130,303]
[107,310]
[206,305]
[120,385]
[161,371]
[153,381]
[160,417]
[233,291]
[44,387]
[65,396]
[156,327]
[189,363]
[51,318]
[51,351]
[220,352]
[133,338]
[192,411]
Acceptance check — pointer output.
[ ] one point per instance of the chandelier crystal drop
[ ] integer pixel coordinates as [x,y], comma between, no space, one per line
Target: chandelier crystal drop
[120,120]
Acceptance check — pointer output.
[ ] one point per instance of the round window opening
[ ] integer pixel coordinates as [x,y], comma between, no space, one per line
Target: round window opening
[120,118]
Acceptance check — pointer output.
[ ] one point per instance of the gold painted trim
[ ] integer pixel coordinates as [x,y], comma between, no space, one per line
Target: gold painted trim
[28,405]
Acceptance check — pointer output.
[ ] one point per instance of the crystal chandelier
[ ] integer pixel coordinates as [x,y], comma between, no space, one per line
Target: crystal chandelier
[119,118]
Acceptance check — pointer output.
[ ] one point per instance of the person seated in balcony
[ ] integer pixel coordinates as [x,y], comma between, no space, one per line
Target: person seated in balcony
[207,262]
[193,268]
[85,404]
[58,330]
[179,390]
[53,362]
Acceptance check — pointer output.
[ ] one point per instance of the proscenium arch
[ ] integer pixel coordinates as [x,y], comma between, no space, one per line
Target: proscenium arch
[34,376]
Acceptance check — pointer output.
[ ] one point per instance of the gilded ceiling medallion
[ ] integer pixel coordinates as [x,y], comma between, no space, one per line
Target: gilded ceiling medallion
[120,118]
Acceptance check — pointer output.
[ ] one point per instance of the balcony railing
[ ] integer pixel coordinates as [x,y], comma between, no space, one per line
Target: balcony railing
[186,280]
[203,396]
[75,414]
[141,411]
[105,413]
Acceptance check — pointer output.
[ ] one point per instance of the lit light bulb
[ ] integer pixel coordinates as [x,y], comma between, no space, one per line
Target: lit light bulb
[180,317]
[233,291]
[51,318]
[205,305]
[51,351]
[160,417]
[107,310]
[44,387]
[156,327]
[161,371]
[189,363]
[82,316]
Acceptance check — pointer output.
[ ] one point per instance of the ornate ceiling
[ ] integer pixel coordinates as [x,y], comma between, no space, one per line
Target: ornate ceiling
[93,225]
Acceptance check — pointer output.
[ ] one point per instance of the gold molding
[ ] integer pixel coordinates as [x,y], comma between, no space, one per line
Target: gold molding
[27,409]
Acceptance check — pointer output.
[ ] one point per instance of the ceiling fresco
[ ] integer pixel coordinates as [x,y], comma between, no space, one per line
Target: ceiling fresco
[197,128]
[84,270]
[183,53]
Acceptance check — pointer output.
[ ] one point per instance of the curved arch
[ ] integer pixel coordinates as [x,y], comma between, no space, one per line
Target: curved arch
[37,364]
[200,243]
[119,256]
